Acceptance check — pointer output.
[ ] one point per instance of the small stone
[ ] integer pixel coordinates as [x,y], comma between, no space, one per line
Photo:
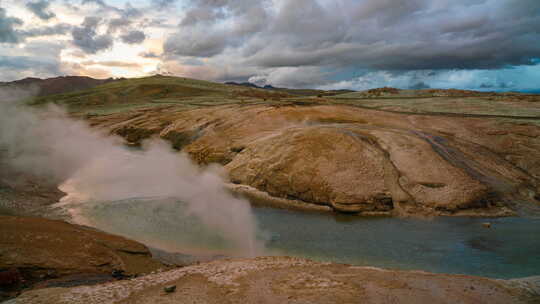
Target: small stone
[169,289]
[486,225]
[237,149]
[51,274]
[118,274]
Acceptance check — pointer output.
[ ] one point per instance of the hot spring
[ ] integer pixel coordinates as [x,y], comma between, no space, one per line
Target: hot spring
[509,249]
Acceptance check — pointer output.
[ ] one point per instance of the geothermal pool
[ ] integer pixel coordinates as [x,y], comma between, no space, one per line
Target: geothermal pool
[509,249]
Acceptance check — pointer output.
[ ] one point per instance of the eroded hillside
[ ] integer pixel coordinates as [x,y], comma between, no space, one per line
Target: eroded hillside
[338,153]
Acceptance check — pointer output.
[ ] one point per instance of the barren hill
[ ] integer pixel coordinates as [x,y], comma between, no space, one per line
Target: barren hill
[57,85]
[437,156]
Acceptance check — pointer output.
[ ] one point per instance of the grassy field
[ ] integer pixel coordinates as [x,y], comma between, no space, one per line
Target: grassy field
[450,105]
[185,93]
[157,91]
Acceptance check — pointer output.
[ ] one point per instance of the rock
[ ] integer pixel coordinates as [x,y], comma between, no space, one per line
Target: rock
[530,284]
[118,274]
[169,289]
[52,273]
[237,149]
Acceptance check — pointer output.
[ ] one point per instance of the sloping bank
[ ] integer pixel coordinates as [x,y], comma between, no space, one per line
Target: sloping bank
[56,262]
[37,250]
[292,280]
[351,160]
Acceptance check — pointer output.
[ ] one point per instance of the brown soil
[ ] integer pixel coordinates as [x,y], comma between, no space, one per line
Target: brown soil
[291,280]
[35,249]
[26,194]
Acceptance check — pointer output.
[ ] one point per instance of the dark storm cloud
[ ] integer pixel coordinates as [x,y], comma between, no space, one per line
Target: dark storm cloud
[161,4]
[498,85]
[190,43]
[419,86]
[203,11]
[86,38]
[7,32]
[305,24]
[129,11]
[127,16]
[118,23]
[57,29]
[133,37]
[100,3]
[203,34]
[201,14]
[91,22]
[372,34]
[40,9]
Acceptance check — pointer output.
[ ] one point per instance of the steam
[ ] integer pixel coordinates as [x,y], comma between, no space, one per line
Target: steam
[91,166]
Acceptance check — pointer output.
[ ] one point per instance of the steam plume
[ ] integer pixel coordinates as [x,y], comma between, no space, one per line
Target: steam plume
[91,166]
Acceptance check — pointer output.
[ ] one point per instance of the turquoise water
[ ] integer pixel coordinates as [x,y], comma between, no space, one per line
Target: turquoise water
[509,249]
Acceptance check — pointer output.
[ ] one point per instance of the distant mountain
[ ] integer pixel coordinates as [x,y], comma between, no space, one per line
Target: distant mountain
[57,85]
[252,85]
[430,92]
[245,84]
[298,92]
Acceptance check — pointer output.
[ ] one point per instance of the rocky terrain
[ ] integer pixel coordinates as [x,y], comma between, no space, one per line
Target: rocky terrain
[22,193]
[350,159]
[291,280]
[471,154]
[33,250]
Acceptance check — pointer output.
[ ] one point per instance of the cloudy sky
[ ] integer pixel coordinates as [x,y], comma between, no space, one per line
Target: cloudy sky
[332,44]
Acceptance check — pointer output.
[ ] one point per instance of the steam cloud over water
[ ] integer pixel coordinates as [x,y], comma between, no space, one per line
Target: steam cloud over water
[91,166]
